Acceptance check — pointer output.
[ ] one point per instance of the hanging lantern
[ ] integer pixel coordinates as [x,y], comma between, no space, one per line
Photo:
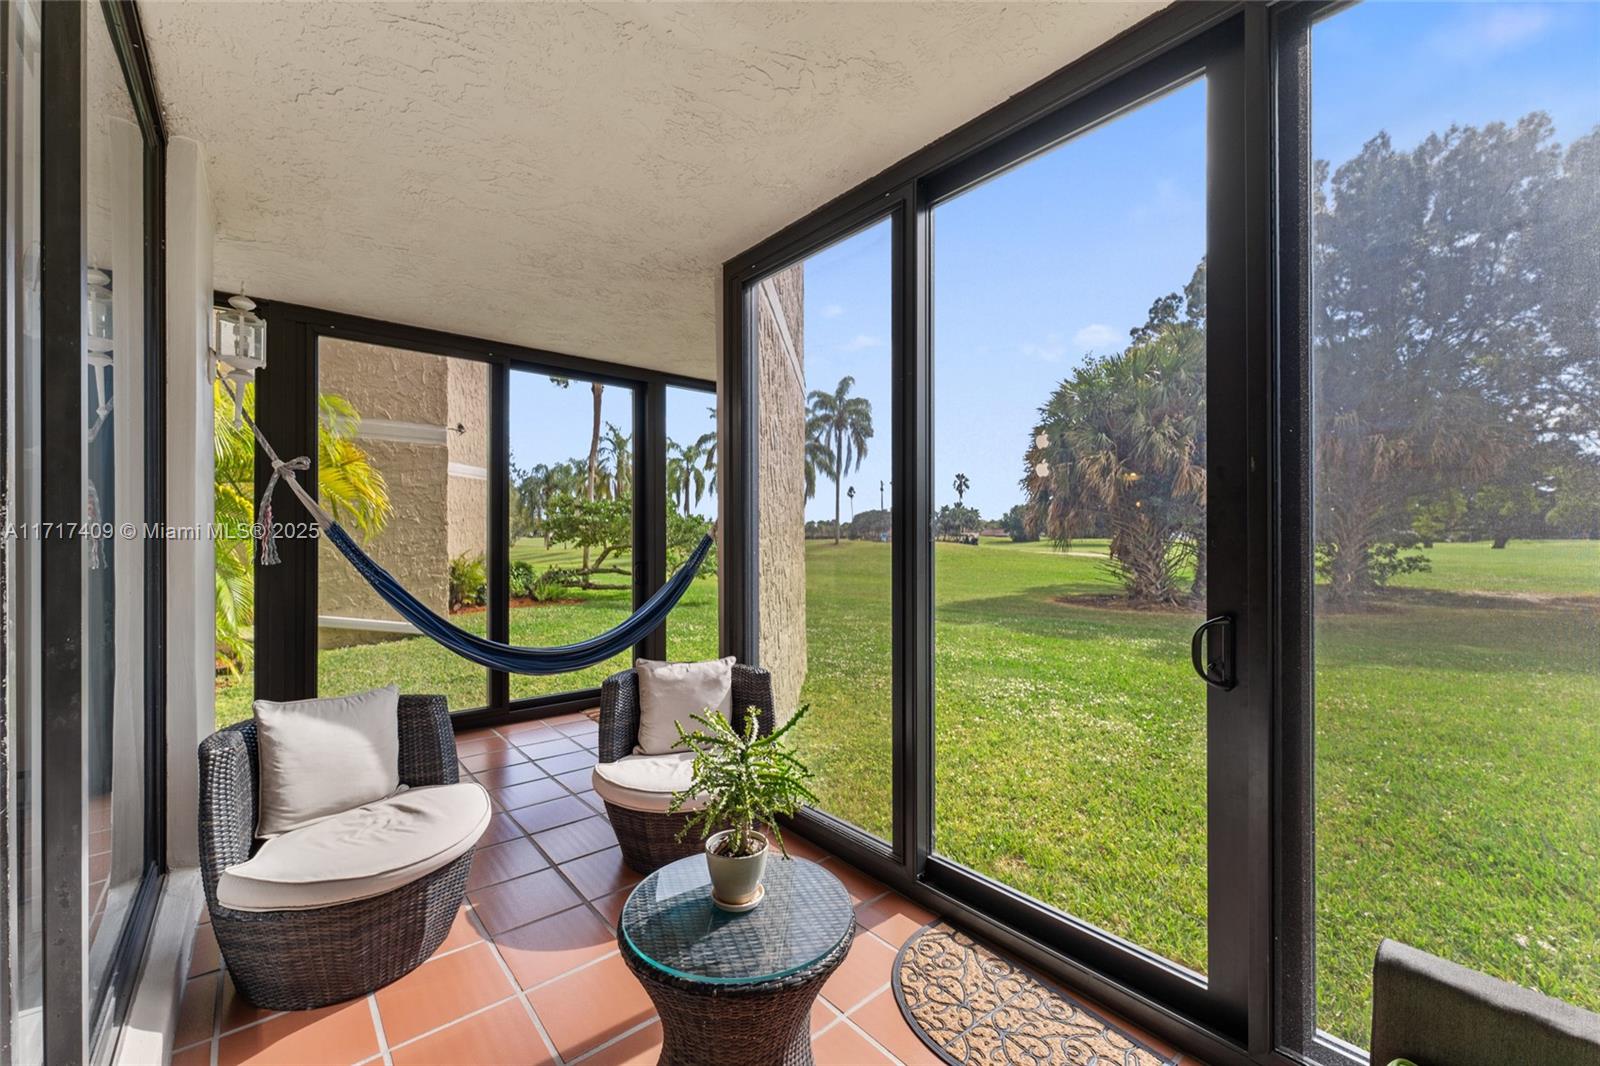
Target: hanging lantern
[239,343]
[100,335]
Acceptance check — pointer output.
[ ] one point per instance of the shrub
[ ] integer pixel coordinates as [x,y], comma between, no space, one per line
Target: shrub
[469,581]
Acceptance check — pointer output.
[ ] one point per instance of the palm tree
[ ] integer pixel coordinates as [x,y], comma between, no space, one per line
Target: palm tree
[350,487]
[616,450]
[686,475]
[844,424]
[1122,443]
[962,484]
[852,494]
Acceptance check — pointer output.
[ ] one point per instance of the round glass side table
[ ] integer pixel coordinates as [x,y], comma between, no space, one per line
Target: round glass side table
[736,989]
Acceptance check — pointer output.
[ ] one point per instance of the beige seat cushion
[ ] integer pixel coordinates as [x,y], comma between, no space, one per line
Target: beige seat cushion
[319,757]
[365,852]
[675,692]
[645,782]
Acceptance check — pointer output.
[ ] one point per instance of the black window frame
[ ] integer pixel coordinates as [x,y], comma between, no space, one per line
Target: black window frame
[73,1027]
[1231,44]
[286,410]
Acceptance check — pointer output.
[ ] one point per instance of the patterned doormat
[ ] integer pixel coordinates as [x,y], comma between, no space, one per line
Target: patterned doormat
[971,1005]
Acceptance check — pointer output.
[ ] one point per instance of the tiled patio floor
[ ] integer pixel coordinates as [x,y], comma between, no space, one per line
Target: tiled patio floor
[530,973]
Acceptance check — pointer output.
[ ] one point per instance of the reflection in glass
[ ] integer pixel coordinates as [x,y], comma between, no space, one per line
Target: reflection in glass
[22,507]
[1455,154]
[114,403]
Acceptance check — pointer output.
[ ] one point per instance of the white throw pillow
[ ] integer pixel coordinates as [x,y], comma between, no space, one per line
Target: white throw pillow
[325,756]
[676,692]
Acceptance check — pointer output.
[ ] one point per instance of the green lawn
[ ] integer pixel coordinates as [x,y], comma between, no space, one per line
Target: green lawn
[1458,745]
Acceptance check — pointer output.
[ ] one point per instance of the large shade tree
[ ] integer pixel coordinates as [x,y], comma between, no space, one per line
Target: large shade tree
[1454,335]
[841,424]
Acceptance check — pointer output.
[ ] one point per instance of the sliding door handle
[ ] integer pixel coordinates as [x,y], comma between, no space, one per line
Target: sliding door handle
[1213,656]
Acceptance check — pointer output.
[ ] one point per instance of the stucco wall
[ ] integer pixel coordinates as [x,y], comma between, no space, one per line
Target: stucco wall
[780,301]
[469,457]
[410,404]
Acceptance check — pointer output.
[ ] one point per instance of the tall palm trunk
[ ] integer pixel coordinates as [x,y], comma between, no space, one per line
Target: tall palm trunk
[838,476]
[594,453]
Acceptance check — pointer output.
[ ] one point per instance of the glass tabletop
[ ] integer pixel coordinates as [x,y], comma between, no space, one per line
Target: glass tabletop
[670,921]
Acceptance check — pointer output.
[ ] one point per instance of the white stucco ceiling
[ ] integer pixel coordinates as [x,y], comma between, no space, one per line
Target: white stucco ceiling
[558,175]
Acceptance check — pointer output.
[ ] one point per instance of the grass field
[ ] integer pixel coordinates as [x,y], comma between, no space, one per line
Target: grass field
[1458,745]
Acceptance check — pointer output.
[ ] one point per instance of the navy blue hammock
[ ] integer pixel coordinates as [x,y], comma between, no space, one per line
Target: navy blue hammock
[508,657]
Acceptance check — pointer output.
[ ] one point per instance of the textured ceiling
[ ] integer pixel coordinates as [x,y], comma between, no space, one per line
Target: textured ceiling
[566,176]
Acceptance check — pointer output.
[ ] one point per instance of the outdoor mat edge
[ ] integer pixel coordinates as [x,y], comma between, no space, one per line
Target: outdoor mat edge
[1044,985]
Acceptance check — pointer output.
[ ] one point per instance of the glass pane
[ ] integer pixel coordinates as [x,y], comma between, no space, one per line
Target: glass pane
[114,654]
[403,441]
[1456,451]
[824,329]
[691,513]
[571,520]
[22,505]
[1069,472]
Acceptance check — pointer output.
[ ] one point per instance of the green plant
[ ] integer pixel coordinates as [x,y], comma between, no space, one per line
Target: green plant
[469,581]
[746,780]
[524,576]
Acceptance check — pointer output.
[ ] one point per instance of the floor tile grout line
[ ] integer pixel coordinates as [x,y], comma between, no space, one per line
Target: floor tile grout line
[619,1038]
[564,974]
[216,1010]
[868,1037]
[377,1025]
[522,997]
[473,1013]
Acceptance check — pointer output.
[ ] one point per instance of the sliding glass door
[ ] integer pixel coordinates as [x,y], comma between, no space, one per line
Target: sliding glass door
[1446,195]
[1034,663]
[1070,497]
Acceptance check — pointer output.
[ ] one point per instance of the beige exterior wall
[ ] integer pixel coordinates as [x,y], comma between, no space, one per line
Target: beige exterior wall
[410,405]
[469,457]
[780,302]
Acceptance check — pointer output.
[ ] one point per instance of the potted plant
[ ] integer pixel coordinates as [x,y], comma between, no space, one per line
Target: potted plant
[745,782]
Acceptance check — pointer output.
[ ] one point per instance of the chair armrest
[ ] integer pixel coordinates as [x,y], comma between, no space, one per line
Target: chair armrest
[427,742]
[619,716]
[227,803]
[752,687]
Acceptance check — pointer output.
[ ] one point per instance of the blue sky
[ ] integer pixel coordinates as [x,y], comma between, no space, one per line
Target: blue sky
[550,424]
[1061,257]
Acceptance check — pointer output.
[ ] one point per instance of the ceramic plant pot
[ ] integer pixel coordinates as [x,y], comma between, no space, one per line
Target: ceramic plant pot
[735,880]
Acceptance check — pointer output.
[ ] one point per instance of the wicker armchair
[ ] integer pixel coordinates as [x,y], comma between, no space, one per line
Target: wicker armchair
[300,959]
[649,839]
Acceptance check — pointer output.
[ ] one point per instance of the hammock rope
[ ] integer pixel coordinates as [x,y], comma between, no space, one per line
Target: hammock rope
[511,658]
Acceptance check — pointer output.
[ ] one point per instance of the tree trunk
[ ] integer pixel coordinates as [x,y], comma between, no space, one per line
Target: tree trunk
[594,439]
[838,476]
[594,453]
[1501,540]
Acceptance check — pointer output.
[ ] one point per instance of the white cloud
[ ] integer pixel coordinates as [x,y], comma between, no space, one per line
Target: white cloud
[1049,350]
[1493,29]
[1095,335]
[861,342]
[833,310]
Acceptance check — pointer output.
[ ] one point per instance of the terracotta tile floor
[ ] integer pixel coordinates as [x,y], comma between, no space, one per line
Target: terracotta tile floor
[530,973]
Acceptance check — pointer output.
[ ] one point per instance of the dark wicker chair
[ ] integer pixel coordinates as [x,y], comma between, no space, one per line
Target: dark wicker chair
[649,839]
[300,959]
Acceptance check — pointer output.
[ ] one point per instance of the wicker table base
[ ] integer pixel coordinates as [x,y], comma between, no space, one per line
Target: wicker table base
[731,1025]
[736,989]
